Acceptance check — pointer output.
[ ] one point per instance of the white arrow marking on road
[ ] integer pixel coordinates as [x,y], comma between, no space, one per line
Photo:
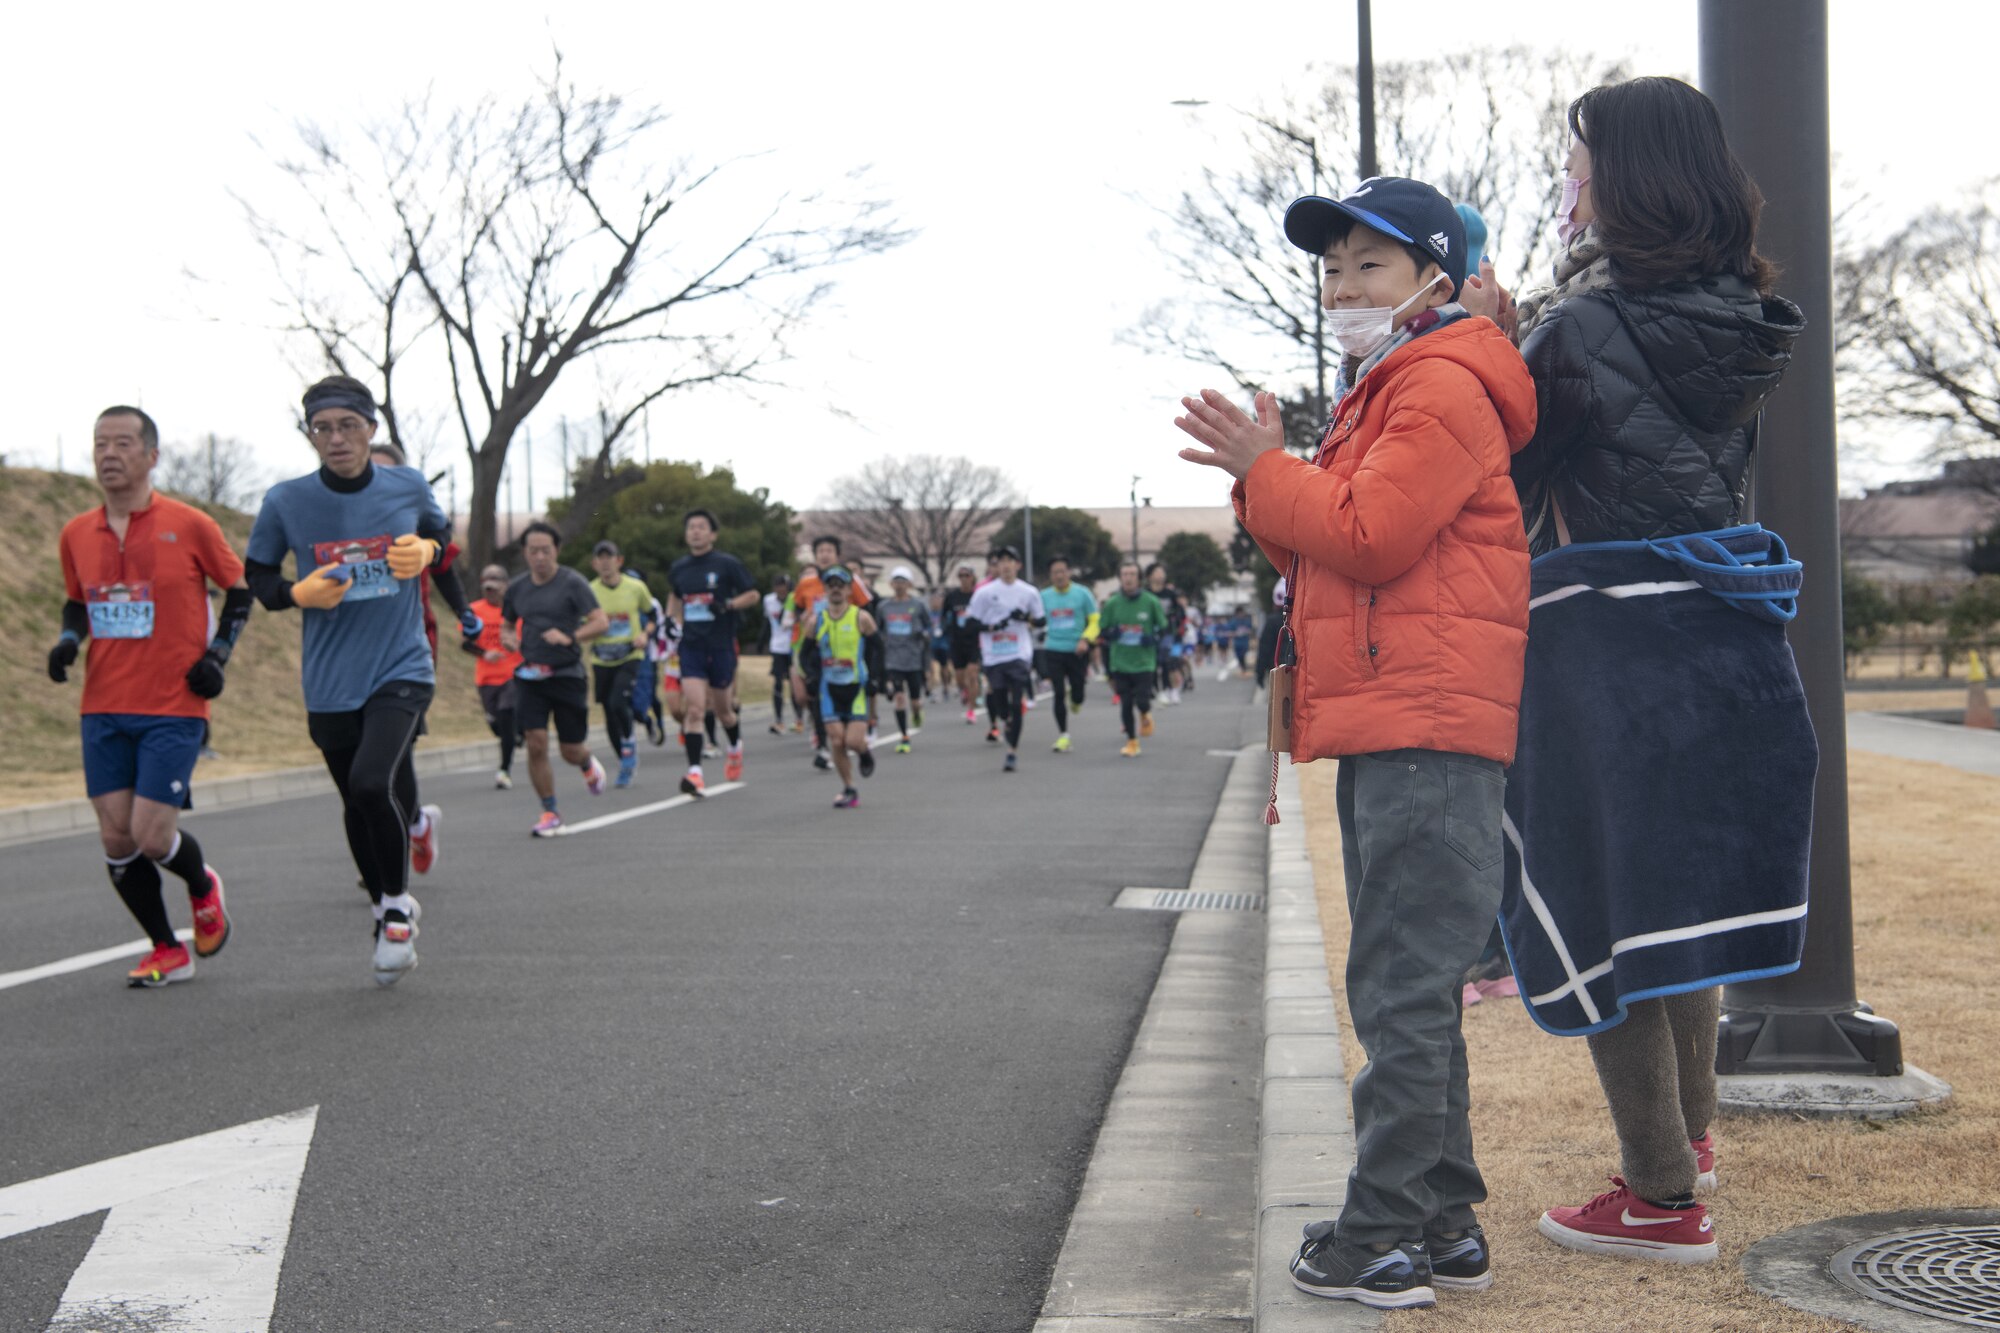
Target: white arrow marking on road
[195,1236]
[83,960]
[604,821]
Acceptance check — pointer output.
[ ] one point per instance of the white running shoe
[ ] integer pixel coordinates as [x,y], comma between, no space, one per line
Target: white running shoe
[502,780]
[396,945]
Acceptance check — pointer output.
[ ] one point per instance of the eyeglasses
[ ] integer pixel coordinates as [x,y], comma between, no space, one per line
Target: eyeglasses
[352,427]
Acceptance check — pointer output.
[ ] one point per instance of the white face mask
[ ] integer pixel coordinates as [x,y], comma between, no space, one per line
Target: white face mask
[1361,331]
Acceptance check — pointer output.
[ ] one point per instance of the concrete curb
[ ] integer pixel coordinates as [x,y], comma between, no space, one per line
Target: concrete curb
[1160,1239]
[1305,1137]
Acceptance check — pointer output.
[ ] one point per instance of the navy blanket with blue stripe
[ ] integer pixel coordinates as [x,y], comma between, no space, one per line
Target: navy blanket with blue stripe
[1660,806]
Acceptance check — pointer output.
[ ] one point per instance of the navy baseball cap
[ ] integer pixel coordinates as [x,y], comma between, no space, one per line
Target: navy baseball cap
[1410,211]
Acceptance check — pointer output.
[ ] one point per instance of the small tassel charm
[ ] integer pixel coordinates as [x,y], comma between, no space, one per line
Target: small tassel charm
[1271,807]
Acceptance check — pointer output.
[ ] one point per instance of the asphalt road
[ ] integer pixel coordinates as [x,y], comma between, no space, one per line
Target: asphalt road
[750,1064]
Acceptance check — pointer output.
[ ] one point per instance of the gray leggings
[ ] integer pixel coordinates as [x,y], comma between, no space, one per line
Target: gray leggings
[1658,1073]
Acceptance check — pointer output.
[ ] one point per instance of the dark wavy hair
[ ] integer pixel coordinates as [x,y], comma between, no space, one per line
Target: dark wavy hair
[1672,201]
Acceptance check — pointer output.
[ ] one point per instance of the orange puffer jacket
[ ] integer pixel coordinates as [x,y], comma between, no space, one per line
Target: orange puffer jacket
[1408,563]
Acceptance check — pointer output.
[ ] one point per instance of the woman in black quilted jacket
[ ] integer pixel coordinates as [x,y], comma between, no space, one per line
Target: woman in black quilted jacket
[1652,355]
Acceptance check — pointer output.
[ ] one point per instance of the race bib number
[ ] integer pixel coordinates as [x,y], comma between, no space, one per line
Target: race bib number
[840,671]
[364,564]
[1005,638]
[120,610]
[1132,636]
[533,671]
[1063,617]
[698,608]
[963,616]
[899,623]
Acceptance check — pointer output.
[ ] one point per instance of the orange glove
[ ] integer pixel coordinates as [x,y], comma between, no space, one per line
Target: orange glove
[319,592]
[410,555]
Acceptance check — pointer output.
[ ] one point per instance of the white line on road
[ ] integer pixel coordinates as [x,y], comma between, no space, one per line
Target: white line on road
[605,821]
[96,958]
[195,1236]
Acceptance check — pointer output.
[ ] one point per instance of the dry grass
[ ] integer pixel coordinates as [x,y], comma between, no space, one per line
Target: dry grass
[1862,700]
[1926,928]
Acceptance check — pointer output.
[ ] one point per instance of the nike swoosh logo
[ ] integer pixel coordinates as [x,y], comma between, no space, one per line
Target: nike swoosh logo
[1631,1221]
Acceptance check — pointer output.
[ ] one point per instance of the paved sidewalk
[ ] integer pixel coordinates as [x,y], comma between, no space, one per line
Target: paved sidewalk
[1973,750]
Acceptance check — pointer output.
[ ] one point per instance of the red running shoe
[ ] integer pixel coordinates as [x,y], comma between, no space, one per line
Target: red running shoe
[1704,1160]
[732,767]
[211,922]
[166,964]
[424,850]
[1622,1223]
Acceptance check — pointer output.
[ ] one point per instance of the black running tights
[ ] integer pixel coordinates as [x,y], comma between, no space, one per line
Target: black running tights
[367,752]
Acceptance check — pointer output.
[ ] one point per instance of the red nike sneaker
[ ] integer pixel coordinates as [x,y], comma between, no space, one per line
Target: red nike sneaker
[1704,1160]
[167,963]
[1622,1223]
[211,922]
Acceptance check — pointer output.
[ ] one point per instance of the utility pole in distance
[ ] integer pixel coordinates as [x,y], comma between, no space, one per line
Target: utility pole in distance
[1802,1041]
[1364,83]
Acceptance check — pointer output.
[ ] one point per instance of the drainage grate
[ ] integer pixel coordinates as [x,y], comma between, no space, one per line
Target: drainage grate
[1946,1272]
[1188,900]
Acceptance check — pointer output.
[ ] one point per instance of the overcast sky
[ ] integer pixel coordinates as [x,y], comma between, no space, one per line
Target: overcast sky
[1018,140]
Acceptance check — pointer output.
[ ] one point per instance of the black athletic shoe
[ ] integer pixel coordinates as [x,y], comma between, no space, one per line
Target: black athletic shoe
[1342,1270]
[1464,1264]
[1009,766]
[656,730]
[867,763]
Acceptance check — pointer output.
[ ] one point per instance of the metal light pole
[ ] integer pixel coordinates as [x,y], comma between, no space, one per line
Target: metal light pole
[1028,538]
[1135,520]
[1364,83]
[1775,111]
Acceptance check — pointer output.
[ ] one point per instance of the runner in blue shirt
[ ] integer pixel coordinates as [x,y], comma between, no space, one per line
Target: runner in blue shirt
[359,536]
[1072,616]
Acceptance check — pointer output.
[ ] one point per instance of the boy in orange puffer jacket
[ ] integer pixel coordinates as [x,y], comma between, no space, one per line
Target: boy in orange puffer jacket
[1407,570]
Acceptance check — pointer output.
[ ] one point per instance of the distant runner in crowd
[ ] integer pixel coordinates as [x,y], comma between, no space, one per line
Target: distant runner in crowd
[548,615]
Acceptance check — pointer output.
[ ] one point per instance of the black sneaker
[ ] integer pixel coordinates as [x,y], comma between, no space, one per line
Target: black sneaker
[867,763]
[1464,1264]
[1341,1270]
[1008,767]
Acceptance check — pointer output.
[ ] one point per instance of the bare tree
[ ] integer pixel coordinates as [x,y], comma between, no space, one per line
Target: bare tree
[1486,127]
[922,508]
[213,470]
[1919,332]
[494,247]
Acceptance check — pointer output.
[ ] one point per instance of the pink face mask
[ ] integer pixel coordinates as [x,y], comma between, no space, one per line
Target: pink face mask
[1566,210]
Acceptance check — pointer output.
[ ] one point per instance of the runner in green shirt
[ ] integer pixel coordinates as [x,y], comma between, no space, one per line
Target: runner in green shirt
[615,657]
[1131,622]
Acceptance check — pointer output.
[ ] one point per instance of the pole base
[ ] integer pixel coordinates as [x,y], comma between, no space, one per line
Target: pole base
[1849,1042]
[1831,1096]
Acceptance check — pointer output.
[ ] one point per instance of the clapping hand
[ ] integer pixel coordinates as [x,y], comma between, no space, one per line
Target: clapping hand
[1234,441]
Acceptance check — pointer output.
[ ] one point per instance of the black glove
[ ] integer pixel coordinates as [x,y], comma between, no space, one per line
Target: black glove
[1018,614]
[61,658]
[205,676]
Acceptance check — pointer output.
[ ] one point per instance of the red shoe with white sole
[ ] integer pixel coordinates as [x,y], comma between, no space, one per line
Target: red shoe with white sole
[1704,1160]
[1622,1223]
[211,919]
[166,964]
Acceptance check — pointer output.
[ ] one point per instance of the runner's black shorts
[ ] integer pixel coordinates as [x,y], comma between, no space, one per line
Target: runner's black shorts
[781,667]
[964,651]
[567,698]
[495,700]
[911,682]
[1071,669]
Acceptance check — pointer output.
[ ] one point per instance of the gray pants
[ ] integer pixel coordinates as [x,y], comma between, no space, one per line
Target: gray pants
[1658,1072]
[1420,831]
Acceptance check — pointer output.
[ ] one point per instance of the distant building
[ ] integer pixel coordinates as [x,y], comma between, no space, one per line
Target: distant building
[1920,532]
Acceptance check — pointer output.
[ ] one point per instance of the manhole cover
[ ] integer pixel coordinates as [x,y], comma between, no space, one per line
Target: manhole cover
[1946,1272]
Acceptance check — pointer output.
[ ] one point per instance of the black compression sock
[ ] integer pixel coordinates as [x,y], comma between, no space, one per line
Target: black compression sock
[137,880]
[735,733]
[902,722]
[708,725]
[184,859]
[691,742]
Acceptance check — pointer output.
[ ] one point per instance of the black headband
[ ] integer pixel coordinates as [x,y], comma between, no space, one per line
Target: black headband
[321,397]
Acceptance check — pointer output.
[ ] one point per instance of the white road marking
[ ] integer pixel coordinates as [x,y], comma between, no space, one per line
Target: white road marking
[196,1232]
[605,821]
[888,738]
[96,958]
